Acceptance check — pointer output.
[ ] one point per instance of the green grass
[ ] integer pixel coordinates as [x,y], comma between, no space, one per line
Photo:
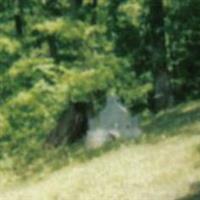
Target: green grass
[164,164]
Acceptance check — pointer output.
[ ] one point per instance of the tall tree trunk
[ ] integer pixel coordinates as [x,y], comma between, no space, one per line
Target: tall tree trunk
[163,94]
[53,48]
[76,5]
[50,6]
[18,17]
[73,122]
[112,19]
[94,11]
[53,7]
[71,126]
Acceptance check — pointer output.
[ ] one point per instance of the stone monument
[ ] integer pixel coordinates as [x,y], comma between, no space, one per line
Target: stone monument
[113,122]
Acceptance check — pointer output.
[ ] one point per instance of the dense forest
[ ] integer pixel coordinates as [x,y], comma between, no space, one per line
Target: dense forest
[59,59]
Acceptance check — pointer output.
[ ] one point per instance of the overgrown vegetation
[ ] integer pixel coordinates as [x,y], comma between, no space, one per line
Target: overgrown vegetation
[55,55]
[163,164]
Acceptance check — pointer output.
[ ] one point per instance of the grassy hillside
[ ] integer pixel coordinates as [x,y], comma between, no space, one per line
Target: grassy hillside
[163,164]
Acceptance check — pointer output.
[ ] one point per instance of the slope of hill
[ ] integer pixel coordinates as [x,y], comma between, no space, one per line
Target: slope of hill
[164,164]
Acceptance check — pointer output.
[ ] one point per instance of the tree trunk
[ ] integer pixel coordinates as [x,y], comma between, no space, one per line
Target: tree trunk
[162,93]
[73,123]
[50,6]
[53,48]
[76,4]
[71,126]
[94,11]
[18,18]
[53,8]
[75,8]
[112,19]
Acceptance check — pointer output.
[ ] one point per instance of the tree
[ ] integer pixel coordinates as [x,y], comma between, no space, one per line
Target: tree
[183,44]
[94,11]
[162,88]
[76,6]
[18,17]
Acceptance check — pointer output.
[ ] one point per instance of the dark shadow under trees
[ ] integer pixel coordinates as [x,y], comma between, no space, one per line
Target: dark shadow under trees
[194,192]
[171,121]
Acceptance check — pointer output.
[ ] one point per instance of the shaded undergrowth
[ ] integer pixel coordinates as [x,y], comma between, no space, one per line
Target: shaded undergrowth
[182,119]
[194,192]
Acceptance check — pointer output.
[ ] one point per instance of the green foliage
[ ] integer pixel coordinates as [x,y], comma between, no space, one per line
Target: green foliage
[56,53]
[9,50]
[3,125]
[184,43]
[33,113]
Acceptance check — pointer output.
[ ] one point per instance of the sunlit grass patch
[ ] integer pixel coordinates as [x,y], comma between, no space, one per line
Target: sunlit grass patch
[162,164]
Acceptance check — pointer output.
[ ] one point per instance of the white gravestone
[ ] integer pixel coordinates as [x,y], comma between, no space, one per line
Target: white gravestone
[113,122]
